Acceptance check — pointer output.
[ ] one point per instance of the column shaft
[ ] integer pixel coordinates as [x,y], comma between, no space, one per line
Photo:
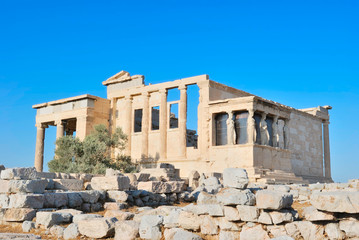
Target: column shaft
[326,149]
[39,149]
[163,124]
[128,123]
[251,127]
[182,126]
[145,124]
[59,129]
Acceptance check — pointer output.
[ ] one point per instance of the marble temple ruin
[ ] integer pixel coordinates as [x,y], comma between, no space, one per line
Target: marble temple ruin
[235,129]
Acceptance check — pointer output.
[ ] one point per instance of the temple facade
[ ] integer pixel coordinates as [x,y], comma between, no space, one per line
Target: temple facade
[273,142]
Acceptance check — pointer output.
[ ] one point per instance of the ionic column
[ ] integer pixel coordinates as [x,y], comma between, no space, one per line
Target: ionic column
[81,127]
[128,123]
[39,149]
[275,137]
[59,129]
[286,134]
[230,129]
[326,149]
[251,127]
[145,124]
[163,124]
[182,126]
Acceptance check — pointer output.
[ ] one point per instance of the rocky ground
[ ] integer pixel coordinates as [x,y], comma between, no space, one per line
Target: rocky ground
[156,204]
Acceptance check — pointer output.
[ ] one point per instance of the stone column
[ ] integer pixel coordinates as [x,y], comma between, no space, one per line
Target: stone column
[275,138]
[59,129]
[182,125]
[230,129]
[163,124]
[286,134]
[145,124]
[128,123]
[81,127]
[39,149]
[326,149]
[251,127]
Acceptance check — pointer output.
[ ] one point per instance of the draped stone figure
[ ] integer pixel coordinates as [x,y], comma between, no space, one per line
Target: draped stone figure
[251,128]
[275,132]
[231,131]
[280,133]
[264,130]
[286,134]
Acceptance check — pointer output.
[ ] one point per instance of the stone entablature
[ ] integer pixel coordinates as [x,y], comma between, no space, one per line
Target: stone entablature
[234,128]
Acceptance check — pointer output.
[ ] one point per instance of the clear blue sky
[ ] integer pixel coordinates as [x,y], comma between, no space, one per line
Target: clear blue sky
[299,53]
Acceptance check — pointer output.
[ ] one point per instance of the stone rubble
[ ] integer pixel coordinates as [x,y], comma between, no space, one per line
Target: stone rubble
[222,206]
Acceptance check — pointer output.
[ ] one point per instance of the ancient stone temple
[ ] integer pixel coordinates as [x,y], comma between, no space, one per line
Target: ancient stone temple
[234,128]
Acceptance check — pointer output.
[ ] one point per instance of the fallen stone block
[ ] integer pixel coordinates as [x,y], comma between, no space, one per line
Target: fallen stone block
[265,218]
[91,196]
[47,175]
[117,196]
[208,225]
[19,214]
[114,206]
[254,233]
[350,227]
[188,220]
[161,187]
[97,227]
[4,186]
[4,201]
[68,184]
[211,184]
[120,215]
[310,230]
[27,186]
[231,213]
[235,178]
[26,201]
[267,199]
[126,230]
[27,226]
[206,198]
[292,230]
[142,177]
[57,231]
[121,183]
[232,196]
[282,216]
[55,200]
[150,227]
[71,232]
[278,231]
[48,219]
[312,214]
[19,173]
[74,199]
[339,201]
[180,234]
[171,220]
[333,232]
[73,212]
[112,172]
[79,217]
[248,213]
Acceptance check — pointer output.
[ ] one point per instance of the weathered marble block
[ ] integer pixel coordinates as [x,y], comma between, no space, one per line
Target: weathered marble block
[121,183]
[97,227]
[27,186]
[117,196]
[19,214]
[267,199]
[55,200]
[233,196]
[68,184]
[161,187]
[336,201]
[235,177]
[126,230]
[26,201]
[48,219]
[18,173]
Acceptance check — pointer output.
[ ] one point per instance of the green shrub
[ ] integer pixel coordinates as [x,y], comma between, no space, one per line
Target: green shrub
[92,155]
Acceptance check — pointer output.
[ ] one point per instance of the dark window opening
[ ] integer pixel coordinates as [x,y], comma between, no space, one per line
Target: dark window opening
[174,115]
[221,128]
[240,126]
[155,118]
[269,121]
[138,120]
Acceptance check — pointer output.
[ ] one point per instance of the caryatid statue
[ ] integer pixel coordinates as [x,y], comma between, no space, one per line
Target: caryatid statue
[275,132]
[264,130]
[251,128]
[231,132]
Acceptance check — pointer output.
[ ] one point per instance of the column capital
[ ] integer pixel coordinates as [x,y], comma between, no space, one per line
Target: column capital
[59,122]
[182,87]
[162,91]
[128,97]
[41,125]
[326,122]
